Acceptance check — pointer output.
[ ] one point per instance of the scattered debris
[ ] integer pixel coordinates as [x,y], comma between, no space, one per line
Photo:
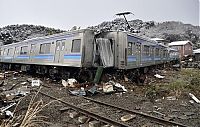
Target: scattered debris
[127,117]
[69,83]
[159,76]
[93,90]
[194,98]
[35,83]
[80,92]
[23,83]
[120,86]
[108,88]
[3,109]
[9,113]
[171,98]
[112,86]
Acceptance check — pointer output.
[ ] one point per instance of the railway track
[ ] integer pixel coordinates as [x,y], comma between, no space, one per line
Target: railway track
[101,114]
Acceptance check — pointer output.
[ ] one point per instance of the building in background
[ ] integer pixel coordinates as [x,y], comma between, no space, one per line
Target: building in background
[161,41]
[196,54]
[185,48]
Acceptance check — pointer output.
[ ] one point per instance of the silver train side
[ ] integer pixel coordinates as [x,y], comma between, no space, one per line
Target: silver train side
[83,49]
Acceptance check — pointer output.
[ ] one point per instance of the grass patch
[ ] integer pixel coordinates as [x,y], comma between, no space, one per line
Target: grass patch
[188,81]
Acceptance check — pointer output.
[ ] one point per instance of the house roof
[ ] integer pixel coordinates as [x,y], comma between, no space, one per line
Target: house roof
[196,51]
[175,43]
[157,39]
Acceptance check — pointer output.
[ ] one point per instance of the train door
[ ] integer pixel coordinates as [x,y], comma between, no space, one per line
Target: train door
[104,53]
[138,51]
[59,51]
[32,51]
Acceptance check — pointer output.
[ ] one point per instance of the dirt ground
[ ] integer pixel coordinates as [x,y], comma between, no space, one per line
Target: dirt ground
[166,98]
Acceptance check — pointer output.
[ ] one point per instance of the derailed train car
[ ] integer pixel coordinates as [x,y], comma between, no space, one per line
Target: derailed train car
[80,52]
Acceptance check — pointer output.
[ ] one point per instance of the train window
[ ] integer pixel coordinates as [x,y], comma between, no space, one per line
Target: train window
[157,52]
[16,50]
[9,51]
[33,46]
[45,48]
[5,52]
[24,50]
[63,45]
[146,50]
[76,45]
[130,46]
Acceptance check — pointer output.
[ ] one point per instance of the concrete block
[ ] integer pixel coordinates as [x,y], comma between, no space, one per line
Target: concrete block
[82,119]
[73,114]
[94,123]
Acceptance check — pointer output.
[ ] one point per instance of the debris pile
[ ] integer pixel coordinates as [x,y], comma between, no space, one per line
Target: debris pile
[86,89]
[13,88]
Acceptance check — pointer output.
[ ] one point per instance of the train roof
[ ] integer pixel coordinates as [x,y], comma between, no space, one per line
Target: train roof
[64,34]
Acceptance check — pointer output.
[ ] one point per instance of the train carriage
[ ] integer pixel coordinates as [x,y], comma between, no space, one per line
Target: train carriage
[59,54]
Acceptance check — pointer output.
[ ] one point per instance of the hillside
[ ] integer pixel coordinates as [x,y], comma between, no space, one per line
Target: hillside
[170,30]
[15,33]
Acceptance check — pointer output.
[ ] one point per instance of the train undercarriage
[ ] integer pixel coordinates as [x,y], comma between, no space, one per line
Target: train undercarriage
[83,75]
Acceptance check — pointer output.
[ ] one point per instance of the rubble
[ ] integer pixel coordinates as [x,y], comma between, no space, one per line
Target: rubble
[127,117]
[79,92]
[159,76]
[69,82]
[194,98]
[112,86]
[35,83]
[108,88]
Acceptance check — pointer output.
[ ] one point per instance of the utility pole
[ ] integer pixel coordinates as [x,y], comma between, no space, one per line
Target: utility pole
[124,14]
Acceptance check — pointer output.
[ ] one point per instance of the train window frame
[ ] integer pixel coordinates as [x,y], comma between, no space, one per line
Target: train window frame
[146,51]
[33,47]
[9,52]
[130,48]
[16,51]
[5,51]
[23,50]
[78,47]
[157,52]
[46,47]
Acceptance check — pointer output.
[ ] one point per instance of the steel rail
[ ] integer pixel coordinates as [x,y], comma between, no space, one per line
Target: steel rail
[151,117]
[159,120]
[90,114]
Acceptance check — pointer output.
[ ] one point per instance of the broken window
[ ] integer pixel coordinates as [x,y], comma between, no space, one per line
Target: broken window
[76,45]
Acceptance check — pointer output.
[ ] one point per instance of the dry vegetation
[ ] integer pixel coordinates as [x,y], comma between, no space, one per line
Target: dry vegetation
[31,117]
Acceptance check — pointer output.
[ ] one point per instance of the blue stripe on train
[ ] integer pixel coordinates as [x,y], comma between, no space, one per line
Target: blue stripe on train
[72,56]
[7,57]
[131,58]
[43,57]
[23,57]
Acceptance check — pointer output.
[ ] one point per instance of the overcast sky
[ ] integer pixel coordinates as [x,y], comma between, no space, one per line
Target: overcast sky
[64,14]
